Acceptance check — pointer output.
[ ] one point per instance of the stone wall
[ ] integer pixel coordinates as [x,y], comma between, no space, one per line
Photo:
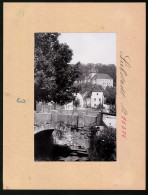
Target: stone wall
[45,108]
[42,118]
[41,108]
[77,120]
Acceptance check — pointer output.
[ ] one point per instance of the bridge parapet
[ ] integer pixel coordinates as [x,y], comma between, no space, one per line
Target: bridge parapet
[44,127]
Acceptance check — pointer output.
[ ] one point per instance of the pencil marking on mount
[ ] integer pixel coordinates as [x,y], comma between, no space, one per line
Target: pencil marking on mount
[124,66]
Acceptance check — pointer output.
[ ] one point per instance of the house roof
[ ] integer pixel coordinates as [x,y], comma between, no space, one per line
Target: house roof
[86,94]
[96,90]
[101,76]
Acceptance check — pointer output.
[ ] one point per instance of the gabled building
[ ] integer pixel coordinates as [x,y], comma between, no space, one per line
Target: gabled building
[102,79]
[97,98]
[96,78]
[93,98]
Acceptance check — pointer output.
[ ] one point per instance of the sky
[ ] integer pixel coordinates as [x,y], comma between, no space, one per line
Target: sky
[91,47]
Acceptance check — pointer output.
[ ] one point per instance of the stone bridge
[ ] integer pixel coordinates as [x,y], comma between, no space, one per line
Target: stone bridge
[54,120]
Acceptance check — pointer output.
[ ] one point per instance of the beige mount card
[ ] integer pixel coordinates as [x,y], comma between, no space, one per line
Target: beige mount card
[21,21]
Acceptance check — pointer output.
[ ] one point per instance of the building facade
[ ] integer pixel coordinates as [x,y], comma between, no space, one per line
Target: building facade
[97,98]
[97,78]
[102,79]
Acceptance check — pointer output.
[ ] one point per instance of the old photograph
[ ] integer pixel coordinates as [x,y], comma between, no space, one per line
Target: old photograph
[74,96]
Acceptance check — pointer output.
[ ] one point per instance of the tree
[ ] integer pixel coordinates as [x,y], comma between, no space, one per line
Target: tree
[113,108]
[100,107]
[76,102]
[110,95]
[54,76]
[102,147]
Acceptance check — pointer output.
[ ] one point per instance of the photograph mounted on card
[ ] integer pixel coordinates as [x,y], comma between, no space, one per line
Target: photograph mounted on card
[74,96]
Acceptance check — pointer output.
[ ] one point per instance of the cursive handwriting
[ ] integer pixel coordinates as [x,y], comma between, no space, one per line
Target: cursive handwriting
[124,111]
[20,101]
[123,120]
[124,66]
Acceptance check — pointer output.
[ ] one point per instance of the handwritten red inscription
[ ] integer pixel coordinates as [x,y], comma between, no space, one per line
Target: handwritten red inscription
[123,121]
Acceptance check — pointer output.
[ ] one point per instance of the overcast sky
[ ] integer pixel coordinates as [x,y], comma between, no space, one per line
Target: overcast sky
[91,47]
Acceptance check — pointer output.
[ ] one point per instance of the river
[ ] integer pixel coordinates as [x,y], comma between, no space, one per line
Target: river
[65,144]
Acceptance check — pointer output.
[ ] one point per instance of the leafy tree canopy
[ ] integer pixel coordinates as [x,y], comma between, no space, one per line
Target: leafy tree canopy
[54,76]
[76,102]
[110,95]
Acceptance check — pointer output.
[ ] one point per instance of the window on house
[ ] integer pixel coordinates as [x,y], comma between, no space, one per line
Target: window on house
[94,99]
[94,104]
[97,93]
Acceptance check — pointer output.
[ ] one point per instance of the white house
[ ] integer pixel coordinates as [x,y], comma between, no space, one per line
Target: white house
[97,98]
[103,79]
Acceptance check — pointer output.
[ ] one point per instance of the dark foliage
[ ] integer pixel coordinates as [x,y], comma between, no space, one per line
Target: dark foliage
[76,102]
[110,95]
[46,150]
[109,69]
[54,76]
[103,145]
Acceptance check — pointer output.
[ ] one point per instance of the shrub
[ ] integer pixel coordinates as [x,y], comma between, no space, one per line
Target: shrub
[103,146]
[112,108]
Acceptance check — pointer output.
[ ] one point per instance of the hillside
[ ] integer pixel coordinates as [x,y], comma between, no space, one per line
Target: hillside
[98,68]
